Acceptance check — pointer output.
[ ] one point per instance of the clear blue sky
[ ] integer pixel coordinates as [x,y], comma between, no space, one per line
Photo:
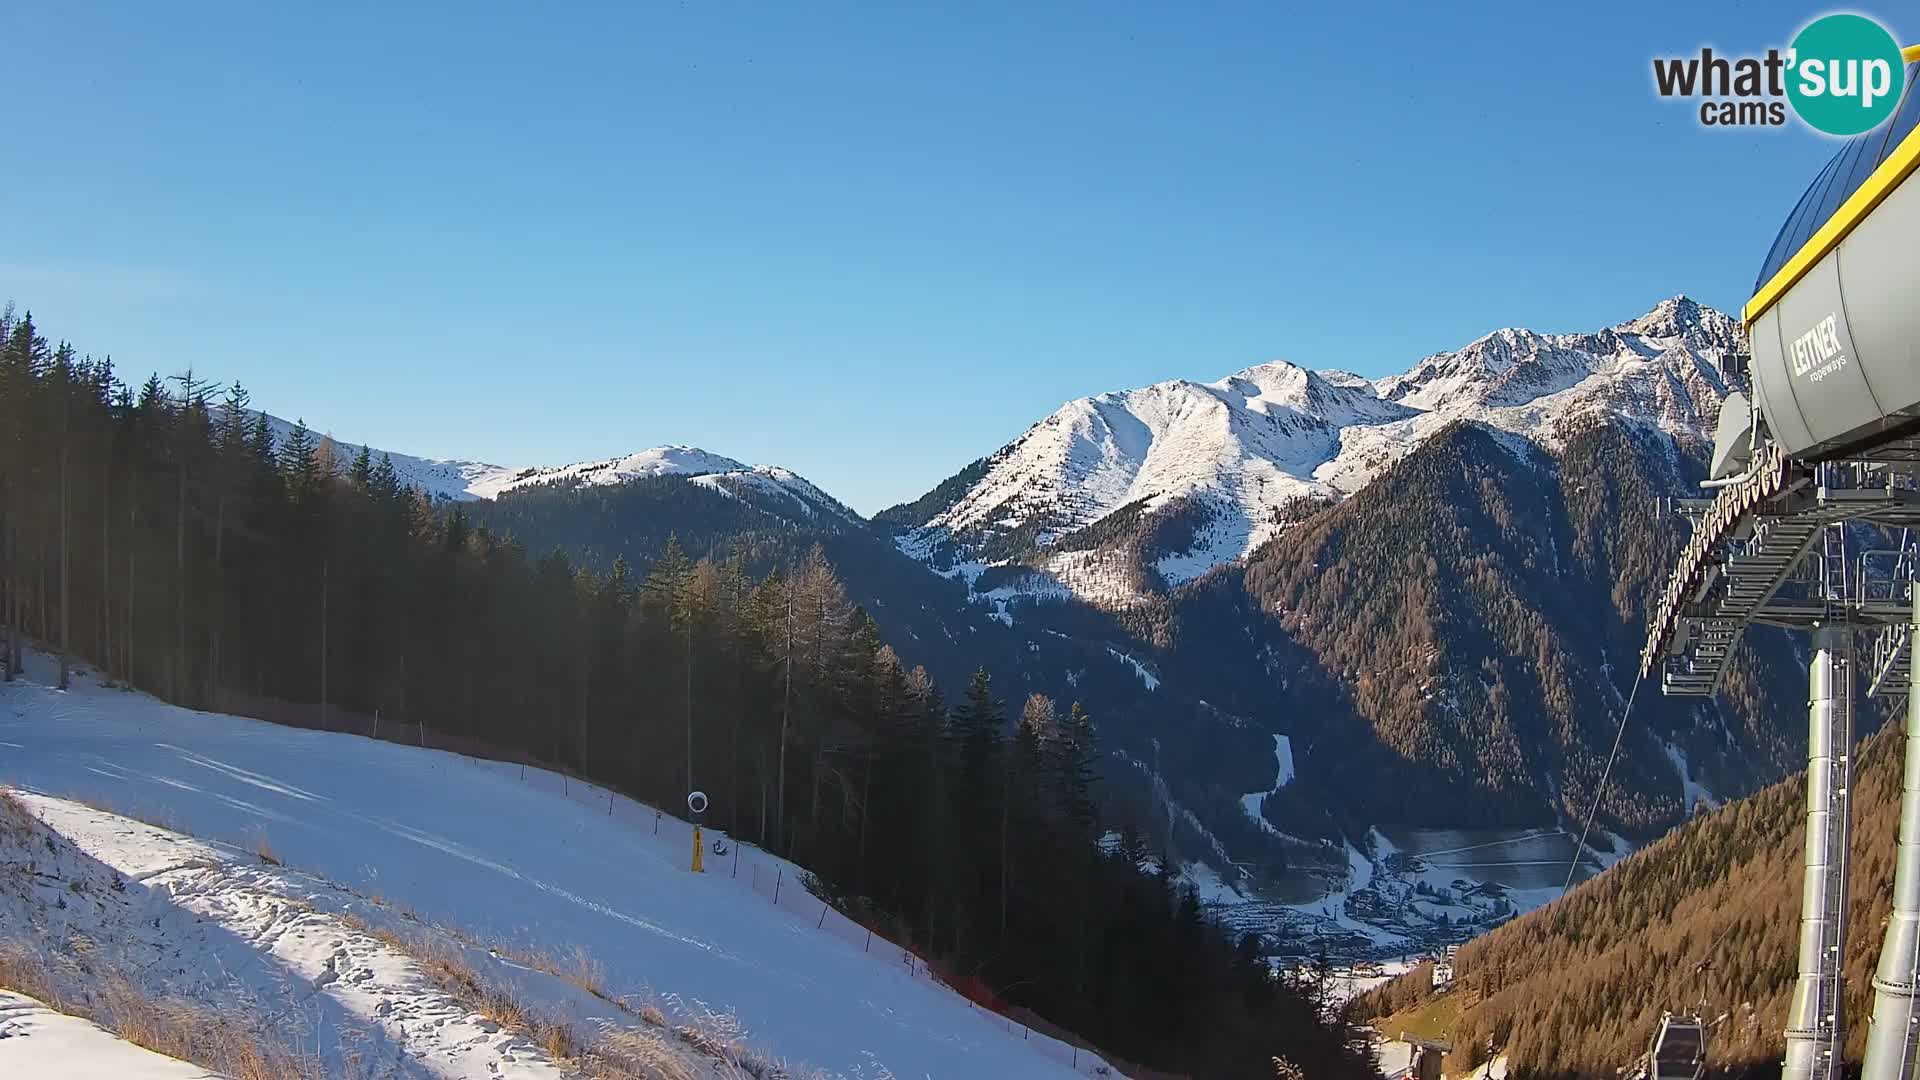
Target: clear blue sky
[869,242]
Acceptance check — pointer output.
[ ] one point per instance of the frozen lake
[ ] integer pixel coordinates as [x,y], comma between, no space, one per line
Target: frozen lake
[1525,859]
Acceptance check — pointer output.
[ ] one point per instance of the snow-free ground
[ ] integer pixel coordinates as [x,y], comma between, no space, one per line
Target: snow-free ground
[526,860]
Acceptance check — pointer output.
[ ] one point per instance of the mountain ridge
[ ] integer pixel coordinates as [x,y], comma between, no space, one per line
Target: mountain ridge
[1250,584]
[1232,455]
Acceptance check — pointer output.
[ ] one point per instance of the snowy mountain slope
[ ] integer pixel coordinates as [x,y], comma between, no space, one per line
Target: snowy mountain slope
[1243,444]
[1223,462]
[437,478]
[471,481]
[659,461]
[468,481]
[475,845]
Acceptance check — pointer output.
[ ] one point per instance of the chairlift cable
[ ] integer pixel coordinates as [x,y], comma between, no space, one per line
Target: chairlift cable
[1573,862]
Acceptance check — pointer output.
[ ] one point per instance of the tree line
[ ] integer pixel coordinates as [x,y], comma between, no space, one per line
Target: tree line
[164,532]
[1706,919]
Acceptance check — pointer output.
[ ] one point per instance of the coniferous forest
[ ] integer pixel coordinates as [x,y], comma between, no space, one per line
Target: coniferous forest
[159,531]
[1706,918]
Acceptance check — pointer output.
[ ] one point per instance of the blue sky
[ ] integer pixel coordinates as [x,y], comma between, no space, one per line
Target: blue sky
[868,242]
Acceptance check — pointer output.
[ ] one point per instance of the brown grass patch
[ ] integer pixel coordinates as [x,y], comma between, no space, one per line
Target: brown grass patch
[609,1053]
[16,821]
[577,968]
[263,849]
[623,1054]
[224,1041]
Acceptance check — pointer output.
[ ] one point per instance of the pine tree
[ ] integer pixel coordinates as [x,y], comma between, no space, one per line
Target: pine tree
[361,474]
[228,565]
[667,591]
[300,463]
[1078,771]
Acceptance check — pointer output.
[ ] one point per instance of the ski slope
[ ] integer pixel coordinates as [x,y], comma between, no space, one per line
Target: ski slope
[537,862]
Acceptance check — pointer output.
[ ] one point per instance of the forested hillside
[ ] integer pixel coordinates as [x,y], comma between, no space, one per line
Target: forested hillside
[600,525]
[1477,612]
[158,533]
[1576,988]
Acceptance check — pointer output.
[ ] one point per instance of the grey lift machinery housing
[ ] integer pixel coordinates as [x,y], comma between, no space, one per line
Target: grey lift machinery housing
[1821,453]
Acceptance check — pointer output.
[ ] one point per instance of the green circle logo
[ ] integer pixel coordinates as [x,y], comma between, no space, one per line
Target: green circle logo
[1845,74]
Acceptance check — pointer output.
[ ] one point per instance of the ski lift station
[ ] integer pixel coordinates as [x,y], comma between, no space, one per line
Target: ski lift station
[1813,524]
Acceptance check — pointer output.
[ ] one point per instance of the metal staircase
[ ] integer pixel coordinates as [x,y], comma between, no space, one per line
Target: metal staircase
[1773,550]
[1890,671]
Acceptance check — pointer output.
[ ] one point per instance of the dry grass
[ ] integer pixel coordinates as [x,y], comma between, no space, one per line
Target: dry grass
[656,1051]
[639,1054]
[222,1041]
[577,968]
[441,958]
[263,849]
[79,979]
[16,821]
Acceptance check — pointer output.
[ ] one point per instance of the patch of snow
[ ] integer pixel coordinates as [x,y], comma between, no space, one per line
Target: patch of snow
[1283,757]
[1359,869]
[1692,792]
[1147,678]
[1254,803]
[1211,888]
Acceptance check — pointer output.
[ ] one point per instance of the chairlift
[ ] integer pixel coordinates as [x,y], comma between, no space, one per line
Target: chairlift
[1427,1057]
[1679,1049]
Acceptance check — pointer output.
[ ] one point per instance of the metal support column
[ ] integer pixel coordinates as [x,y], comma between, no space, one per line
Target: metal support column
[1894,1037]
[1815,1022]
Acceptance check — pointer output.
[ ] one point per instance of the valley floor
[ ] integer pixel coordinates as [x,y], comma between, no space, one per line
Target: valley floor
[391,842]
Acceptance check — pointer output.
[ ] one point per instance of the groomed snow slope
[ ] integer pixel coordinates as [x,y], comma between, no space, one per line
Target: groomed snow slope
[470,844]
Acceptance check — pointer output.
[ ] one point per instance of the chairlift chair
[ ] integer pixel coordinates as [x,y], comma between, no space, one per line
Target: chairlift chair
[1426,1059]
[1679,1049]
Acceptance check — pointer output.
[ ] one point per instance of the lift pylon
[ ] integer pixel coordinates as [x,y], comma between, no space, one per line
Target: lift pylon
[1893,1039]
[1816,1019]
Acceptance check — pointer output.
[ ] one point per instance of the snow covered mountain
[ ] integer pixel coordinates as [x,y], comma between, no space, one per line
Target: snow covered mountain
[790,491]
[435,477]
[1198,474]
[467,481]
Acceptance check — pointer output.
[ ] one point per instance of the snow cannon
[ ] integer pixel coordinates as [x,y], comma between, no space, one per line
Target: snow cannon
[697,807]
